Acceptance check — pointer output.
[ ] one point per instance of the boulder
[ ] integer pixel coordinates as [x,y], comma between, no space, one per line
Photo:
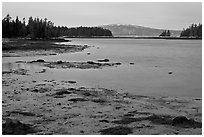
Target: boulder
[117,63]
[59,62]
[170,72]
[99,100]
[72,82]
[182,121]
[62,92]
[40,60]
[118,130]
[77,99]
[15,127]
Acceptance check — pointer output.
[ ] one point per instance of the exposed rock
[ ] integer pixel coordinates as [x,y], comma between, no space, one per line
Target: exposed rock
[87,94]
[104,120]
[20,72]
[40,90]
[198,99]
[139,126]
[25,113]
[62,92]
[179,121]
[20,61]
[126,120]
[118,107]
[27,47]
[103,60]
[59,62]
[82,131]
[63,106]
[72,89]
[40,60]
[6,72]
[72,82]
[77,99]
[43,71]
[52,54]
[160,119]
[176,132]
[170,72]
[99,100]
[157,119]
[15,127]
[137,112]
[117,63]
[118,130]
[91,62]
[79,65]
[59,96]
[182,121]
[59,104]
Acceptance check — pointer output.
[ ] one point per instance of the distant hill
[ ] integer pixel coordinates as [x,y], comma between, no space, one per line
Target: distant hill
[135,30]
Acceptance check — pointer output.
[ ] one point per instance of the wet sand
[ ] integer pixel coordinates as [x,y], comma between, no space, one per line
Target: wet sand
[55,108]
[50,107]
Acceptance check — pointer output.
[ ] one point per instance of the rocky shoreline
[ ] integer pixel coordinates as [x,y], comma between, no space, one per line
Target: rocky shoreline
[65,65]
[14,47]
[50,107]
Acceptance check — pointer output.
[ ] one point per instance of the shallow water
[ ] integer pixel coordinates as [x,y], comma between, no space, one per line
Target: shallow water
[153,60]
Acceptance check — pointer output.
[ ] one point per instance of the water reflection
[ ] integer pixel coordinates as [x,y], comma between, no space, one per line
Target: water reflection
[32,68]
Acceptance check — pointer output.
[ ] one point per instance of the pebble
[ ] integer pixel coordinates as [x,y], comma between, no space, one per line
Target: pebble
[81,131]
[59,104]
[176,132]
[139,126]
[170,72]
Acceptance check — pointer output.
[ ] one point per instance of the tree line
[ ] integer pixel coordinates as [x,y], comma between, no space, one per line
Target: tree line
[37,28]
[165,33]
[192,31]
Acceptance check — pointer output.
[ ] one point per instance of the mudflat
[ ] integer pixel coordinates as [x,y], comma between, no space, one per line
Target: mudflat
[51,107]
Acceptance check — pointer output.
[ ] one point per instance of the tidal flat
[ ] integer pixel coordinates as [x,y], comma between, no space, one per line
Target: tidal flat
[47,92]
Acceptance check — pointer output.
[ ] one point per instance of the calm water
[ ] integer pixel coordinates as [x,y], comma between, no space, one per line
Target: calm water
[152,59]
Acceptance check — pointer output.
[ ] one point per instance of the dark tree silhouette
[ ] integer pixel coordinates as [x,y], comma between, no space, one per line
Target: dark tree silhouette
[43,29]
[165,33]
[168,33]
[7,26]
[192,31]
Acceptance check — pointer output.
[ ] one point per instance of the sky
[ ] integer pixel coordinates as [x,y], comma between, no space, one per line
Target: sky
[167,15]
